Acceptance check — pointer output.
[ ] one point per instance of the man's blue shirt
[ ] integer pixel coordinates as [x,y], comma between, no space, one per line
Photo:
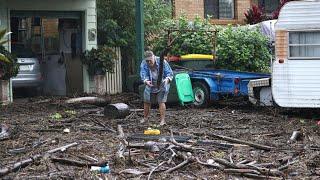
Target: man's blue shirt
[146,75]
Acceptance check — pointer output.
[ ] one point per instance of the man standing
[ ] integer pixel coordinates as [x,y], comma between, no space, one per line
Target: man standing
[149,73]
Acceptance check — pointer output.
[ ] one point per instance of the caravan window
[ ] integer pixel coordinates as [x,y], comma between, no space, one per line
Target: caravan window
[304,45]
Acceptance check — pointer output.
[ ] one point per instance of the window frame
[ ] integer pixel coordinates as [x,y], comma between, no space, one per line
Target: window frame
[263,4]
[299,45]
[218,18]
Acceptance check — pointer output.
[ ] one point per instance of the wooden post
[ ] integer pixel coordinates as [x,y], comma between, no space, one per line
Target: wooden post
[100,84]
[4,92]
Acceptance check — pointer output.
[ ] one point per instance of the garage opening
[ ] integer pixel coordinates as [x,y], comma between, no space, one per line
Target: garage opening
[48,46]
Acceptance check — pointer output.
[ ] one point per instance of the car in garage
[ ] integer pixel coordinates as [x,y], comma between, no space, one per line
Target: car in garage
[29,75]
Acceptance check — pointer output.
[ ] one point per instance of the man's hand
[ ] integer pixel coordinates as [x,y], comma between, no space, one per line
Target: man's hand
[166,81]
[149,83]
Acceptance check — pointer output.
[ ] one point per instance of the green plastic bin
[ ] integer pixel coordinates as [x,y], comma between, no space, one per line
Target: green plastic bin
[184,88]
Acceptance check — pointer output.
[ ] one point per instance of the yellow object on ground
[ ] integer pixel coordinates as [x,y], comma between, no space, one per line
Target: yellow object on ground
[197,56]
[150,131]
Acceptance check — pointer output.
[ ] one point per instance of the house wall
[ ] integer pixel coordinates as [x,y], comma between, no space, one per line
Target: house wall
[193,8]
[89,21]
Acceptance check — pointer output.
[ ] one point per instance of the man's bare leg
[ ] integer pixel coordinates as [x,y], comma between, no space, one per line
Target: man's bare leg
[162,110]
[146,111]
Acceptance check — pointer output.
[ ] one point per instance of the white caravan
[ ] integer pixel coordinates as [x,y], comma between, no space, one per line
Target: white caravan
[295,79]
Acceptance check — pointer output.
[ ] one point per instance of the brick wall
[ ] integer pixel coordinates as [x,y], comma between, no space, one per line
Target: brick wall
[192,8]
[281,44]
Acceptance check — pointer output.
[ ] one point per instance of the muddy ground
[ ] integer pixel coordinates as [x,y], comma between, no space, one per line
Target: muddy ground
[34,130]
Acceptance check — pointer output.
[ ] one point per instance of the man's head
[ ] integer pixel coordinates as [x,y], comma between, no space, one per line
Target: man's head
[149,58]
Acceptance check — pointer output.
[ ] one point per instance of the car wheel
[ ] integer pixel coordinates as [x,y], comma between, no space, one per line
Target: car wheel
[201,94]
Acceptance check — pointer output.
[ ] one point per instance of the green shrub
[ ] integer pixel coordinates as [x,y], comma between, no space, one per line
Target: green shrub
[8,68]
[99,60]
[237,48]
[242,49]
[191,37]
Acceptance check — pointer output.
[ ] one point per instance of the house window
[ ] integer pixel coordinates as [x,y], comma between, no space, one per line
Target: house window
[304,45]
[269,5]
[219,9]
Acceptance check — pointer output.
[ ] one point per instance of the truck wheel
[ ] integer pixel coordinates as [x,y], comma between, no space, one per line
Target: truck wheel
[201,94]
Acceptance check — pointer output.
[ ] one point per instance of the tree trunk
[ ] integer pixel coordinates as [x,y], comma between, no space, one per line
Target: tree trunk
[116,111]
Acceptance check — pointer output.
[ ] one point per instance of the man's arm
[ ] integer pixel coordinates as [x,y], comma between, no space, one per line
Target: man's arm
[144,74]
[168,73]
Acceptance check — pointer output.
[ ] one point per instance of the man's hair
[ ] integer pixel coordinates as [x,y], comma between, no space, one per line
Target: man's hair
[148,54]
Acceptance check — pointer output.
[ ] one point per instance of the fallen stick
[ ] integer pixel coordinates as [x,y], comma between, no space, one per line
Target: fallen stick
[234,140]
[4,133]
[17,150]
[184,146]
[48,130]
[243,162]
[123,142]
[270,172]
[103,125]
[21,164]
[241,171]
[185,162]
[287,165]
[256,176]
[225,163]
[18,165]
[216,166]
[149,176]
[232,165]
[77,163]
[87,158]
[62,148]
[89,100]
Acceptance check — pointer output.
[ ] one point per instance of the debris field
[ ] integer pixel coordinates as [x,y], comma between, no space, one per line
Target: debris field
[56,137]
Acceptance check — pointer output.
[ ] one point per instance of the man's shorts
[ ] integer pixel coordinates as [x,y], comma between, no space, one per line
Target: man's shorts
[155,98]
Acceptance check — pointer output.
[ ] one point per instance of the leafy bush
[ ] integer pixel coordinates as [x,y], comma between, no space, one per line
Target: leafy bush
[242,49]
[8,68]
[8,63]
[255,15]
[99,60]
[192,37]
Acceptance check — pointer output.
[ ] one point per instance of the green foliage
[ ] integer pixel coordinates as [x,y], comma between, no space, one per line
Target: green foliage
[155,11]
[8,62]
[116,25]
[192,37]
[242,49]
[3,34]
[99,60]
[238,48]
[8,68]
[115,22]
[56,116]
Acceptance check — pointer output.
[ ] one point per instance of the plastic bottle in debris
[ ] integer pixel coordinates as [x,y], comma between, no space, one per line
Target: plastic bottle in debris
[102,169]
[151,131]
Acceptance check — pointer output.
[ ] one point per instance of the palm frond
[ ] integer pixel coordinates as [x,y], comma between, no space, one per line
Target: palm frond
[2,33]
[3,42]
[4,58]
